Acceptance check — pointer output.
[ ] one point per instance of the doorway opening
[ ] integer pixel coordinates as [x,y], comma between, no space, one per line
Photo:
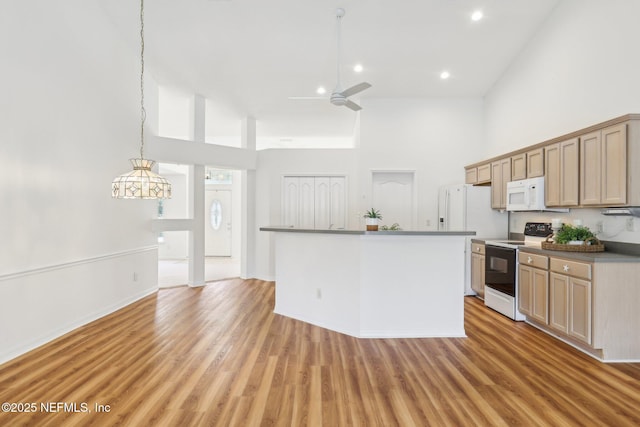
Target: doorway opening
[221,216]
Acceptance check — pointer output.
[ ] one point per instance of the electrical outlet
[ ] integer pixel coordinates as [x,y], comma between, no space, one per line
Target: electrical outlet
[599,226]
[318,293]
[428,223]
[135,277]
[631,224]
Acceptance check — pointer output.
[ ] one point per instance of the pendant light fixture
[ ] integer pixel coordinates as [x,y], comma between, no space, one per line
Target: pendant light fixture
[142,182]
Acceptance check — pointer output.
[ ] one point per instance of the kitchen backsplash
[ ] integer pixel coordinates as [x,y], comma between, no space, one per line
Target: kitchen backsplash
[614,228]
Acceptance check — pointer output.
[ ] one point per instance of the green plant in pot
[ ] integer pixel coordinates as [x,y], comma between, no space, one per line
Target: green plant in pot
[372,216]
[393,227]
[573,235]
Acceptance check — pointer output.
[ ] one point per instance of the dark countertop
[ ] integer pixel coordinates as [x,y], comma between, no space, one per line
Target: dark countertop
[614,251]
[369,233]
[483,240]
[605,256]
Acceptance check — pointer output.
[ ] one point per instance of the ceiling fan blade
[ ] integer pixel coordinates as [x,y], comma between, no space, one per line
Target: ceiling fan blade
[352,105]
[356,89]
[307,97]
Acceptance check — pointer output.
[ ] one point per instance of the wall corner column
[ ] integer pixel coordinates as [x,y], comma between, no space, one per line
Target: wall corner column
[249,227]
[196,191]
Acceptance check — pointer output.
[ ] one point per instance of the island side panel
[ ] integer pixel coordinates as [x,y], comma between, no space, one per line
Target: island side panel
[317,279]
[412,286]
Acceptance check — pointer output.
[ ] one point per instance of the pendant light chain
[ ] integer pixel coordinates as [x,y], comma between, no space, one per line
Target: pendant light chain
[141,182]
[143,112]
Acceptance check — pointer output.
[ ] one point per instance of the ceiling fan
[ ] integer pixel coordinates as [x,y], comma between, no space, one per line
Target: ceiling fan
[339,96]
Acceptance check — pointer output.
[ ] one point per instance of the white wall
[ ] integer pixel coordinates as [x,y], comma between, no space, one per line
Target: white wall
[176,243]
[579,70]
[434,137]
[175,110]
[70,120]
[273,164]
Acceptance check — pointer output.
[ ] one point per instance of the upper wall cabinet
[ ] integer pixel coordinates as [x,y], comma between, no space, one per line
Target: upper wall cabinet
[478,174]
[519,167]
[527,165]
[596,166]
[603,167]
[500,175]
[561,178]
[535,163]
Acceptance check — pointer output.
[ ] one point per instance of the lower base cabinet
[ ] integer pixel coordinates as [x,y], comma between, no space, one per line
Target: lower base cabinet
[591,305]
[533,286]
[570,298]
[477,268]
[570,306]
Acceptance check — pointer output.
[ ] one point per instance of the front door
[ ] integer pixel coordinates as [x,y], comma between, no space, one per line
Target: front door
[218,223]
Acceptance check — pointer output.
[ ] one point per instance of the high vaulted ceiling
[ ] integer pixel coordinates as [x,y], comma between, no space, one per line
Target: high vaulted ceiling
[249,56]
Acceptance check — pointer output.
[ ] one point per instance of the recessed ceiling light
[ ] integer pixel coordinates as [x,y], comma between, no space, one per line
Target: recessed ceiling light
[358,68]
[445,75]
[476,15]
[321,90]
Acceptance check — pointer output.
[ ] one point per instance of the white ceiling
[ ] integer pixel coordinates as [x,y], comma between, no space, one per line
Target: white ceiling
[249,56]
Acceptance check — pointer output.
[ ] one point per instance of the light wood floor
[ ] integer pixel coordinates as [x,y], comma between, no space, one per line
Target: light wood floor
[218,356]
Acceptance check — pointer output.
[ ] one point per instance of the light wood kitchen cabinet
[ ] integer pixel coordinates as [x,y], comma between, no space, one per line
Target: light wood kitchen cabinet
[533,285]
[478,174]
[562,173]
[500,175]
[519,167]
[592,305]
[570,298]
[484,174]
[477,268]
[471,176]
[527,165]
[559,302]
[591,167]
[535,163]
[603,167]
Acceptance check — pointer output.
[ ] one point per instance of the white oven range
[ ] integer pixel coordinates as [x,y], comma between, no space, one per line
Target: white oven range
[501,269]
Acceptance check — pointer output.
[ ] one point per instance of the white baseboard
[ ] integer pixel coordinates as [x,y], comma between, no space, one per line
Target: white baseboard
[26,347]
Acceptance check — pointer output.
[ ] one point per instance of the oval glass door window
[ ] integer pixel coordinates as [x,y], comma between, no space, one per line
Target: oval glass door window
[215,214]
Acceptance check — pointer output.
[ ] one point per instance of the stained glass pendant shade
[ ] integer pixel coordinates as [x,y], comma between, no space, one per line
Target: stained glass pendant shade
[141,182]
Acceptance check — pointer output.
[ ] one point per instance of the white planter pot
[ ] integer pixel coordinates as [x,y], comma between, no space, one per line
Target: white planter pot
[372,224]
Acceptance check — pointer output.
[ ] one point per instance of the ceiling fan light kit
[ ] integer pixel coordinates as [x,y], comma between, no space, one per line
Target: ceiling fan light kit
[141,182]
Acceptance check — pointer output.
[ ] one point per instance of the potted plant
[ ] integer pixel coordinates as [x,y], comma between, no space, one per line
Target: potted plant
[573,235]
[393,227]
[371,217]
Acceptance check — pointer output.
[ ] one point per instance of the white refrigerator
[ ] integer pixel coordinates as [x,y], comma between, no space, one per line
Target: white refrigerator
[464,207]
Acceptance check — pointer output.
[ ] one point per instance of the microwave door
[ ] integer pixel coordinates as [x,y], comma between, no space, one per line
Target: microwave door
[517,197]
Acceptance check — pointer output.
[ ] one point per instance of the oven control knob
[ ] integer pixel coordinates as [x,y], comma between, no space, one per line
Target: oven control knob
[565,267]
[529,260]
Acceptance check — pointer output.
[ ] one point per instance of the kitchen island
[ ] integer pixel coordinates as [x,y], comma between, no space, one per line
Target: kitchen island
[373,284]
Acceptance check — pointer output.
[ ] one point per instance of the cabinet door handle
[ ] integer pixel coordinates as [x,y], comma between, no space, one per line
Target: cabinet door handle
[529,260]
[565,267]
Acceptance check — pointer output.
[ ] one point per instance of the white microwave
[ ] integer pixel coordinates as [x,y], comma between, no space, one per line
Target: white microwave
[527,195]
